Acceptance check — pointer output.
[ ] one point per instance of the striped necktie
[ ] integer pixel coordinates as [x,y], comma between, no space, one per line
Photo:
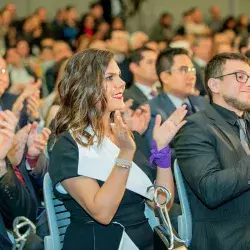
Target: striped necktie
[243,135]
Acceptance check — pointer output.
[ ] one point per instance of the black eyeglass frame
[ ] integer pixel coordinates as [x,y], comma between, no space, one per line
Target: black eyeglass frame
[236,76]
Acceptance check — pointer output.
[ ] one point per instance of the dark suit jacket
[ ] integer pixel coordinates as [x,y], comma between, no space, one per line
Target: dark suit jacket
[200,85]
[16,200]
[107,9]
[136,94]
[162,105]
[5,243]
[216,169]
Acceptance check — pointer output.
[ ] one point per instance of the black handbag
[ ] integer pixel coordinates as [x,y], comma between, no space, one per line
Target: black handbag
[165,237]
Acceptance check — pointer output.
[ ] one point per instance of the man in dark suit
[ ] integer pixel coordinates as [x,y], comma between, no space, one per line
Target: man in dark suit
[142,66]
[202,49]
[213,153]
[15,196]
[16,190]
[177,76]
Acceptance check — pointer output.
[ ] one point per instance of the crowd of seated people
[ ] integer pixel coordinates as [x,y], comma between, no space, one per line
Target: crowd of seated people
[163,71]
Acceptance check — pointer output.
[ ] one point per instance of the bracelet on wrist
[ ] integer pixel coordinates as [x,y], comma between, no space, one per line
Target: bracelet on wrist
[161,158]
[123,163]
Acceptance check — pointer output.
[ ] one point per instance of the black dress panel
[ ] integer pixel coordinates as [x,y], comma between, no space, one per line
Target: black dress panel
[86,233]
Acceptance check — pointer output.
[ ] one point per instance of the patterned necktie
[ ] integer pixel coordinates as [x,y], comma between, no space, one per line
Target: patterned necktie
[243,135]
[153,93]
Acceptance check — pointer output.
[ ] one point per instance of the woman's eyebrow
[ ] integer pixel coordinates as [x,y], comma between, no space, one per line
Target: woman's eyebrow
[113,74]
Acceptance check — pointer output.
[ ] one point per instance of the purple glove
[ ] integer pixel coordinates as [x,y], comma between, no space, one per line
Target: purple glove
[161,158]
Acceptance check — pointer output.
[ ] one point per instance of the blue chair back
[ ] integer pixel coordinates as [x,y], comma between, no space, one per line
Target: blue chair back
[58,217]
[185,219]
[150,215]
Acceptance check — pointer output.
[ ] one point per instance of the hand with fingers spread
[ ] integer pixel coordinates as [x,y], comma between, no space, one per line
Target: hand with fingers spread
[122,134]
[16,152]
[33,105]
[165,132]
[36,142]
[18,105]
[8,122]
[138,120]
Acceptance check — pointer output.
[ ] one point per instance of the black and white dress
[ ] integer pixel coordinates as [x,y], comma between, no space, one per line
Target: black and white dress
[129,229]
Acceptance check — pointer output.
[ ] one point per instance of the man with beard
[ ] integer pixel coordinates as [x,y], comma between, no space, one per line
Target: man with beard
[213,153]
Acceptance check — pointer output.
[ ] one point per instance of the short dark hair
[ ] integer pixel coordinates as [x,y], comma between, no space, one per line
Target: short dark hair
[165,59]
[165,14]
[95,4]
[136,55]
[69,7]
[186,13]
[214,67]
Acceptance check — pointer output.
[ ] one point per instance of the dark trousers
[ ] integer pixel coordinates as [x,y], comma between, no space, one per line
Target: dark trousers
[5,243]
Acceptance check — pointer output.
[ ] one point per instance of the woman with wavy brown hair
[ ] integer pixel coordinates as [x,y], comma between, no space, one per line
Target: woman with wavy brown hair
[95,167]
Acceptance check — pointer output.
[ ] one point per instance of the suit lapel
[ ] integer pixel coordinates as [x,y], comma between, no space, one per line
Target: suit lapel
[140,96]
[3,102]
[166,107]
[225,128]
[197,105]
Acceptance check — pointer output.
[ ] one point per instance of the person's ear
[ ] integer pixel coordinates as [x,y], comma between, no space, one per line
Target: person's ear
[133,67]
[214,85]
[164,77]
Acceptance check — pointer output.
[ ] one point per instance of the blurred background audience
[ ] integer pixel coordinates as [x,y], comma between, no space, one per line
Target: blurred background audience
[163,67]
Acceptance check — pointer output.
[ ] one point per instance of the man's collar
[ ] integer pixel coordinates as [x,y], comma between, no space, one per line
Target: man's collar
[230,116]
[177,101]
[146,90]
[200,62]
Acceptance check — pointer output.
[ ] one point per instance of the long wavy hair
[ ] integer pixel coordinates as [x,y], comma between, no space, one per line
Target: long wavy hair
[82,95]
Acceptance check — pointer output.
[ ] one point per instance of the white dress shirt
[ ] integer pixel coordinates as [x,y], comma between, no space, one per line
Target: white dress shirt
[202,64]
[178,101]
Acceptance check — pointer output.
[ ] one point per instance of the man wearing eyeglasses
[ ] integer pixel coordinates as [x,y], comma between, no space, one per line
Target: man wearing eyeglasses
[213,153]
[177,75]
